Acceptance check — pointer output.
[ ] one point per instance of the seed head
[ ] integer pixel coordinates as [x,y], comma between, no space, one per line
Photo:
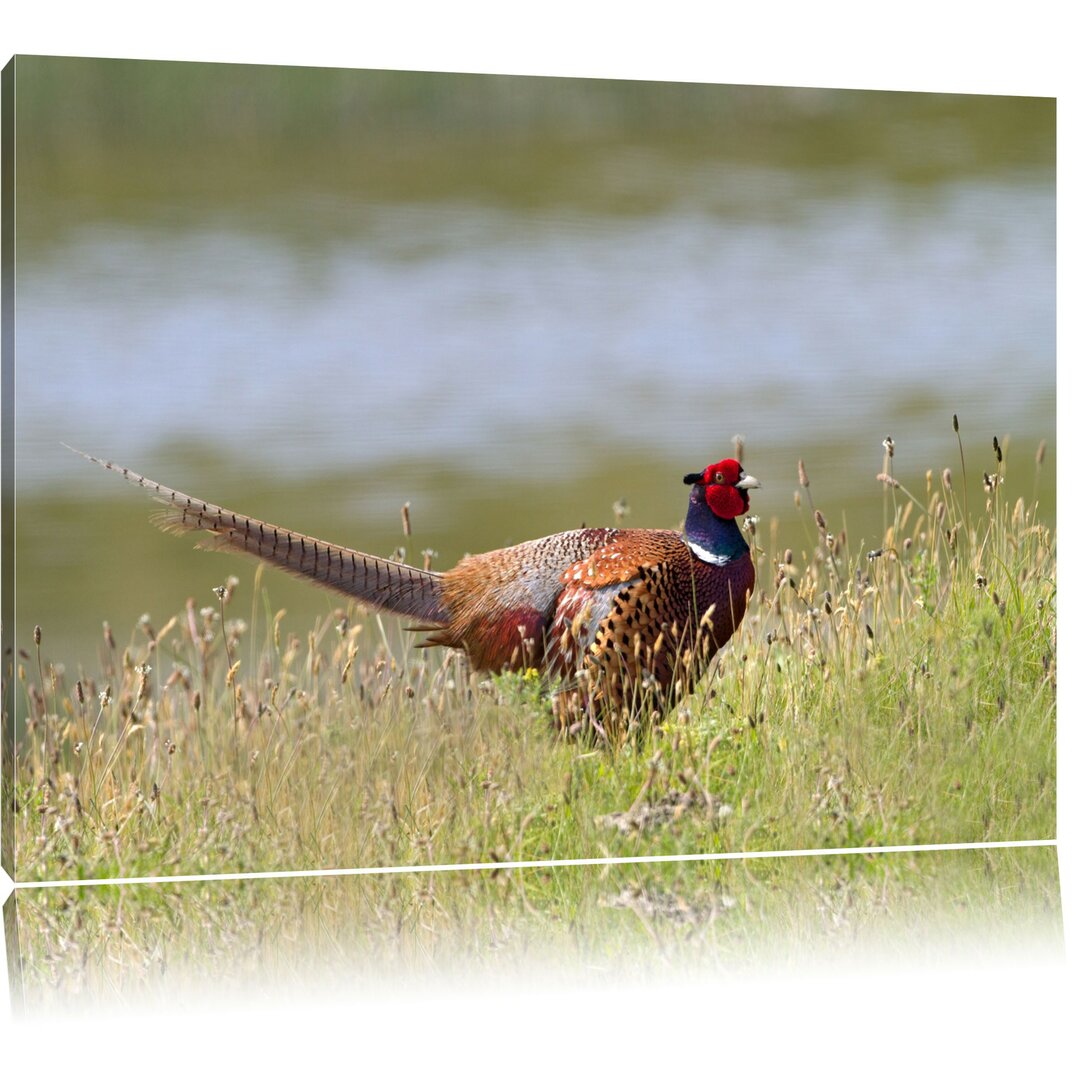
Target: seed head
[739,442]
[889,445]
[946,479]
[997,449]
[37,635]
[819,517]
[889,481]
[1040,454]
[804,480]
[955,424]
[406,524]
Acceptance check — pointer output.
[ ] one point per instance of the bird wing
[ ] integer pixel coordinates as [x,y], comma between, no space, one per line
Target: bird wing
[619,602]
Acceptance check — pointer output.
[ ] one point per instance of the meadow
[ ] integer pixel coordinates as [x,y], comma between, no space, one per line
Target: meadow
[895,695]
[140,946]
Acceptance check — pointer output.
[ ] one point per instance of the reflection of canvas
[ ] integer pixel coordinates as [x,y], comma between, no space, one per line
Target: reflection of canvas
[593,926]
[515,305]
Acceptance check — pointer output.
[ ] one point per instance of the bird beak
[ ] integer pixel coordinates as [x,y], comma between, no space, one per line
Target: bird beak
[748,481]
[694,478]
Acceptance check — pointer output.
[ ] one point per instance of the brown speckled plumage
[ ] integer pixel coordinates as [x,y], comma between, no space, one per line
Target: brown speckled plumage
[624,619]
[642,616]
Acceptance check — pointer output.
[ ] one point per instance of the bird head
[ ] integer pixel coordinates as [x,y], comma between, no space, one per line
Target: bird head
[726,485]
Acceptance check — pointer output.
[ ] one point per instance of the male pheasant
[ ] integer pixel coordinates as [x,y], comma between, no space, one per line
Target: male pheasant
[626,619]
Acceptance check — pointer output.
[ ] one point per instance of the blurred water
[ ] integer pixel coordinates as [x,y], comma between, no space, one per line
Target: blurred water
[520,340]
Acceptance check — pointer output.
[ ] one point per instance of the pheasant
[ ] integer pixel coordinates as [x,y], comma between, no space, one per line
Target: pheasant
[622,619]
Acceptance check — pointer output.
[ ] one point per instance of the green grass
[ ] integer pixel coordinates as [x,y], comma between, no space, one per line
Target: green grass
[904,695]
[135,945]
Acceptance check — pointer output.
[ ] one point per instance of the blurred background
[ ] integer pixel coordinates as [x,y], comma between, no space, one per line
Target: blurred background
[314,295]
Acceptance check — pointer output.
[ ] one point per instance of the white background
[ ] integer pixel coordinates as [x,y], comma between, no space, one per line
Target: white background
[1010,1019]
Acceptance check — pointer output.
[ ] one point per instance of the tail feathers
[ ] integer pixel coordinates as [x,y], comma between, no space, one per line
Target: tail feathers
[378,583]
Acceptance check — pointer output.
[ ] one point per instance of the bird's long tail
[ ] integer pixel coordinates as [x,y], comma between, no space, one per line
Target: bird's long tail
[378,583]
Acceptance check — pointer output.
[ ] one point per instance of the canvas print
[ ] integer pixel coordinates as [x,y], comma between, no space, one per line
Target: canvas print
[588,469]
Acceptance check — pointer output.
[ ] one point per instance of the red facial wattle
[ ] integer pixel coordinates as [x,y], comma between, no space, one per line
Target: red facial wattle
[724,498]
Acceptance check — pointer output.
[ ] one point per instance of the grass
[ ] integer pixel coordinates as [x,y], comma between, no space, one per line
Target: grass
[905,694]
[135,945]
